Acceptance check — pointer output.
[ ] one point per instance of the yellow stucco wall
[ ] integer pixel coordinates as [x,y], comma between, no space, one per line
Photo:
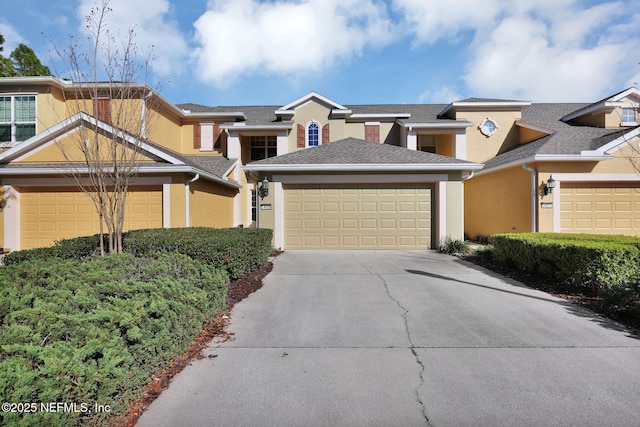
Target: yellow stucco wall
[481,148]
[211,205]
[177,202]
[498,202]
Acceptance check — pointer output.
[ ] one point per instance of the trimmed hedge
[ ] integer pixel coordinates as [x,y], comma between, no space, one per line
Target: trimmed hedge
[93,332]
[598,262]
[235,250]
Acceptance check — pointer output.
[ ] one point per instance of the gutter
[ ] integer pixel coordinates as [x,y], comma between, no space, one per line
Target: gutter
[534,183]
[187,199]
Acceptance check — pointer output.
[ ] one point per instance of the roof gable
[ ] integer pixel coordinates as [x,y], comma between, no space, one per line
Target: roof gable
[287,111]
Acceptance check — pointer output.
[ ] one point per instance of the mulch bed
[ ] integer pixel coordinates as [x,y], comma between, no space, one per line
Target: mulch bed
[568,292]
[215,329]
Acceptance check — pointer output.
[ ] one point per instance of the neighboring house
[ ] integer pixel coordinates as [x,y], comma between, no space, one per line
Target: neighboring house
[357,176]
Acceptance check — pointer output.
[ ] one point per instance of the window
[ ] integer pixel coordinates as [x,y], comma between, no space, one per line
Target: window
[313,134]
[263,147]
[629,115]
[254,205]
[372,132]
[427,143]
[17,118]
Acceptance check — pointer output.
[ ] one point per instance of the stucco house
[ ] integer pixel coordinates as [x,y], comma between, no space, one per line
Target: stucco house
[326,175]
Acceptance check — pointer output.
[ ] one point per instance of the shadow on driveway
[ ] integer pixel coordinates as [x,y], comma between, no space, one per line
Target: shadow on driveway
[571,308]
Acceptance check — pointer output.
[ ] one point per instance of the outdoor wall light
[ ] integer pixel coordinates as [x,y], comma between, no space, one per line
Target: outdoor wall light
[549,186]
[263,189]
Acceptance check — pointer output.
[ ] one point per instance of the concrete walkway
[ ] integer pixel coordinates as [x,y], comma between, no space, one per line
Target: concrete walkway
[406,338]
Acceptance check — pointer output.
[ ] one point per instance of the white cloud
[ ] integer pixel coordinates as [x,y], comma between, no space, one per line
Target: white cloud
[441,95]
[285,37]
[547,50]
[154,31]
[11,38]
[443,20]
[519,61]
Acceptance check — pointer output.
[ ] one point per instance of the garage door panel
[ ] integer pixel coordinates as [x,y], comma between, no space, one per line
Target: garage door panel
[50,214]
[600,208]
[358,216]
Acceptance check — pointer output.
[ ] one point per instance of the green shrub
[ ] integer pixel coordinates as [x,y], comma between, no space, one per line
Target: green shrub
[454,246]
[76,248]
[235,250]
[94,331]
[594,262]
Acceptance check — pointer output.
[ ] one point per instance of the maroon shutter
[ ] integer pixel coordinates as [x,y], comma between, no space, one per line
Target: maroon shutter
[300,136]
[325,134]
[103,109]
[372,133]
[196,136]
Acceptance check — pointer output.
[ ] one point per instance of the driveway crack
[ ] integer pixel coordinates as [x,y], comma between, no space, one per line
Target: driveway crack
[412,346]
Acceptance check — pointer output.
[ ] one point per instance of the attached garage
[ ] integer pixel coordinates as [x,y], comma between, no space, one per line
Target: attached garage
[358,216]
[356,194]
[603,208]
[50,214]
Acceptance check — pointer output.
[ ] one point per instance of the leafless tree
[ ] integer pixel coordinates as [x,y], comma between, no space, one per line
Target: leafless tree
[109,94]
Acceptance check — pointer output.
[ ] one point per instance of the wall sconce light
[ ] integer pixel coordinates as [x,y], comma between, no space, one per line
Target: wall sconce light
[549,186]
[263,189]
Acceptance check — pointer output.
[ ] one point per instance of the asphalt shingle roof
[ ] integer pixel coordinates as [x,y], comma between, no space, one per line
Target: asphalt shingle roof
[354,151]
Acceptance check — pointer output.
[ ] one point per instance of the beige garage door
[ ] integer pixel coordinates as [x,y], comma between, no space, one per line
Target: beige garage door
[358,217]
[600,208]
[50,214]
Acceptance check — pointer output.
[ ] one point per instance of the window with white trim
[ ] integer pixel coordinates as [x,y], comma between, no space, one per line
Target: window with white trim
[263,147]
[427,143]
[629,115]
[17,118]
[313,134]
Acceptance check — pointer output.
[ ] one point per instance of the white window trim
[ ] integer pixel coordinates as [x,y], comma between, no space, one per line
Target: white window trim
[306,133]
[13,118]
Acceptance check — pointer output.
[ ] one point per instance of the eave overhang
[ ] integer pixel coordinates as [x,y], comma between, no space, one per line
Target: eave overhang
[363,167]
[584,157]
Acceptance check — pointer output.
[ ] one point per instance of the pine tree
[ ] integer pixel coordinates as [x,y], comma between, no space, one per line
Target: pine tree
[21,62]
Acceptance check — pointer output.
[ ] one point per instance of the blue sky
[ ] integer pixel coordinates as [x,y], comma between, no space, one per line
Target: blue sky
[251,52]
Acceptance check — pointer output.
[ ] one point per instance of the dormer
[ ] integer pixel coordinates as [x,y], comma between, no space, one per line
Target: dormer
[619,110]
[287,112]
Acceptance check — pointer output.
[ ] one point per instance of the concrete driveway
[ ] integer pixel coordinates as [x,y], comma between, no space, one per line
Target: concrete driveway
[406,338]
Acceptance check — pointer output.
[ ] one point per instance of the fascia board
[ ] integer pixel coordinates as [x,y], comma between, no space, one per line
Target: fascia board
[215,115]
[547,158]
[27,171]
[67,126]
[257,127]
[617,143]
[626,93]
[452,125]
[287,108]
[497,104]
[35,141]
[364,167]
[592,109]
[364,116]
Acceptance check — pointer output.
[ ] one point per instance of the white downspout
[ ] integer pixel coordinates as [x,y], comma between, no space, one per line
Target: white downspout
[534,201]
[187,198]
